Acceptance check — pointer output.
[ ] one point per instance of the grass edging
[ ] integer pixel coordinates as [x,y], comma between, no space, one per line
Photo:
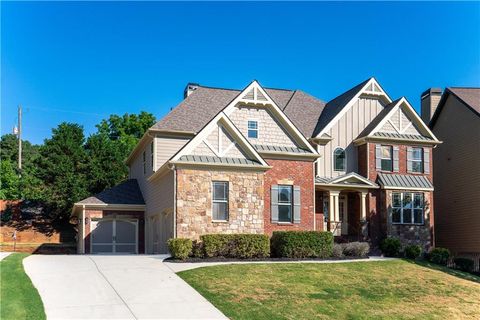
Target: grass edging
[19,298]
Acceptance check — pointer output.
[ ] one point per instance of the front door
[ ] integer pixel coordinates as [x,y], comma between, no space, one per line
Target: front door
[114,236]
[343,213]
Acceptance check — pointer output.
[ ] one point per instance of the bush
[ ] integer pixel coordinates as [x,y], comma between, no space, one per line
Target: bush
[197,249]
[413,251]
[439,256]
[242,246]
[464,264]
[337,251]
[302,244]
[180,248]
[391,247]
[356,249]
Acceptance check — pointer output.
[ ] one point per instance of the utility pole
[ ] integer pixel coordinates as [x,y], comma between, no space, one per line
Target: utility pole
[19,137]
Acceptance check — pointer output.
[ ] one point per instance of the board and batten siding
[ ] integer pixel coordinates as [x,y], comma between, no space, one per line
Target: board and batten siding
[456,177]
[166,147]
[344,132]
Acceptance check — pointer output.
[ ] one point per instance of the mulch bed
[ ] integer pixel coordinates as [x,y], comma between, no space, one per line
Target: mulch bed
[222,259]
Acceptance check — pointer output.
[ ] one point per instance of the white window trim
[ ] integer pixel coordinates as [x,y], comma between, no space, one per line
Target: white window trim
[290,204]
[382,158]
[333,159]
[257,129]
[421,160]
[413,209]
[221,201]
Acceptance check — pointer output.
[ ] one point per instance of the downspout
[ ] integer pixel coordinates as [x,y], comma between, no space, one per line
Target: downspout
[83,229]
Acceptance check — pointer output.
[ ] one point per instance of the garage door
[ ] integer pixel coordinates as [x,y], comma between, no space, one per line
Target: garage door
[114,236]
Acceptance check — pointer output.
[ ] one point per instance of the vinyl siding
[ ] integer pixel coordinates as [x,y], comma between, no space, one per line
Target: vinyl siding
[166,147]
[457,178]
[344,132]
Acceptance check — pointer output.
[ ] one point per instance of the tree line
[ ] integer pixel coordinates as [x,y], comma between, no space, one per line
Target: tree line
[68,166]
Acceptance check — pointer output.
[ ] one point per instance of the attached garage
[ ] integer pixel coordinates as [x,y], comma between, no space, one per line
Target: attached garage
[112,222]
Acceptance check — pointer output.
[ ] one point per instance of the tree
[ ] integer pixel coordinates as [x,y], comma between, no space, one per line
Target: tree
[10,181]
[9,150]
[61,167]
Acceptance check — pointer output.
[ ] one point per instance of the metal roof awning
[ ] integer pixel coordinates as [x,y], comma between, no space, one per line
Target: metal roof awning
[404,182]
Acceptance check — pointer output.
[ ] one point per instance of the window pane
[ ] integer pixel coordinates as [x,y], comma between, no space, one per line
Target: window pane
[396,215]
[407,215]
[417,153]
[396,200]
[285,213]
[219,191]
[253,134]
[387,165]
[339,159]
[285,194]
[418,200]
[252,125]
[219,211]
[417,166]
[418,216]
[407,200]
[387,152]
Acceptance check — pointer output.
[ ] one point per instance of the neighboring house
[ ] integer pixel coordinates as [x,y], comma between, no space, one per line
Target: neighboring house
[456,121]
[258,160]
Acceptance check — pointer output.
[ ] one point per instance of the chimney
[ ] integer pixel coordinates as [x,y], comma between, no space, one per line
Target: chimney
[429,100]
[189,89]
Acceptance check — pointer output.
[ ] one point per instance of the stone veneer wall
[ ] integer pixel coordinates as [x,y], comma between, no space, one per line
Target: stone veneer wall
[194,202]
[411,234]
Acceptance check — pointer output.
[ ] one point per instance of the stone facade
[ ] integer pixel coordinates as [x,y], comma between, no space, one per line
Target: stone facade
[296,173]
[194,202]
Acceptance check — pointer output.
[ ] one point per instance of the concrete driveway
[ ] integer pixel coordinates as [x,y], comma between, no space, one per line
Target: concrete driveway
[114,287]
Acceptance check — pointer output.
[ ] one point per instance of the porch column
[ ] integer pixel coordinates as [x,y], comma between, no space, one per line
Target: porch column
[363,212]
[81,232]
[334,212]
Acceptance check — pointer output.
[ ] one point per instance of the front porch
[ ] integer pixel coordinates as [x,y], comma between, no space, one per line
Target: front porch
[343,203]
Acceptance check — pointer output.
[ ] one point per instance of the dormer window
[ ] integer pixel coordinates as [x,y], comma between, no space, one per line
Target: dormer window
[339,160]
[253,129]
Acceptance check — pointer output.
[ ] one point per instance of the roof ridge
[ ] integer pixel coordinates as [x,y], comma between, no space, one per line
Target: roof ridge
[290,99]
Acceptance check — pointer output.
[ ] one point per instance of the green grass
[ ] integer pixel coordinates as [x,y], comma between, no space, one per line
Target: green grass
[361,290]
[18,297]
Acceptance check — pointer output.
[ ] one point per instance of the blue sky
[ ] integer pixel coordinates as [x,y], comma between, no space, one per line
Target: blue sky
[80,62]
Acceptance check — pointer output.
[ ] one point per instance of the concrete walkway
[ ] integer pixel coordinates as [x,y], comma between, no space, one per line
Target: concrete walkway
[177,267]
[3,255]
[114,287]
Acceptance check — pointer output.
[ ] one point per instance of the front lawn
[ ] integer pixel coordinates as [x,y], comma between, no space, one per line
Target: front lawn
[360,290]
[18,297]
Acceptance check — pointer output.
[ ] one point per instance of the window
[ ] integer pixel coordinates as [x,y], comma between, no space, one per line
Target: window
[407,208]
[339,160]
[252,129]
[417,160]
[220,201]
[144,163]
[285,204]
[152,155]
[386,158]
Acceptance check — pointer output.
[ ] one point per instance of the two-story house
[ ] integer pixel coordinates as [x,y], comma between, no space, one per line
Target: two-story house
[258,160]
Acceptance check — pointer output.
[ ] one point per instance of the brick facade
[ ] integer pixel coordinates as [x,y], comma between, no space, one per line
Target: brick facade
[194,202]
[298,173]
[99,214]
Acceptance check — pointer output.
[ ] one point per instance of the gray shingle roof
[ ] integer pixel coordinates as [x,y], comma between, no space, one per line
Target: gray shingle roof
[218,160]
[195,111]
[469,96]
[127,192]
[404,181]
[333,107]
[266,148]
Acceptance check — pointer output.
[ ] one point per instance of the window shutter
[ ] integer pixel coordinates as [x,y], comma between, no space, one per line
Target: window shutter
[378,157]
[426,160]
[395,159]
[409,159]
[296,204]
[274,203]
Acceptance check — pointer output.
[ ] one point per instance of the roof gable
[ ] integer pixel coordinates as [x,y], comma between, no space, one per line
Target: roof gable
[336,108]
[125,193]
[470,97]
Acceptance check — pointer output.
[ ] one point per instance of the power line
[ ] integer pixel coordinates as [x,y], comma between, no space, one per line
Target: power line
[68,111]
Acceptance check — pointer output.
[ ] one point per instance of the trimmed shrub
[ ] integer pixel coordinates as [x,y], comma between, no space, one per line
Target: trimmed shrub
[302,244]
[197,249]
[391,247]
[439,256]
[464,264]
[356,249]
[180,248]
[337,251]
[413,251]
[242,246]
